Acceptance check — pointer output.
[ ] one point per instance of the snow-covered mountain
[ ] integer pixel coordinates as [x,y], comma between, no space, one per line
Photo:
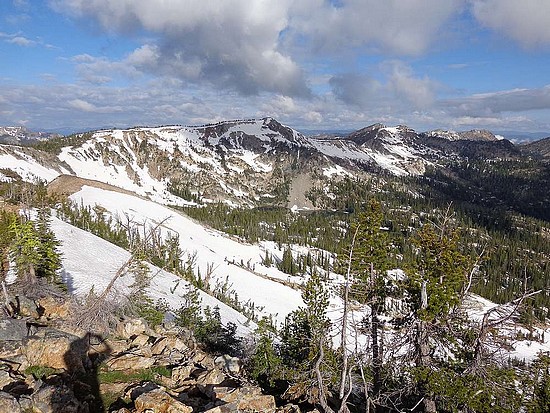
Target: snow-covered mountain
[21,135]
[250,162]
[247,162]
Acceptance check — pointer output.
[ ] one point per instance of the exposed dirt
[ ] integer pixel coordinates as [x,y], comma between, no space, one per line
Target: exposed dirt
[298,188]
[67,185]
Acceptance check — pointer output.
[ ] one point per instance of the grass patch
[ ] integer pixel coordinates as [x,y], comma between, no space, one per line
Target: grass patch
[120,376]
[39,372]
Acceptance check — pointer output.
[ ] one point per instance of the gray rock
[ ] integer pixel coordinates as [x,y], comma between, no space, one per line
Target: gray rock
[12,329]
[8,403]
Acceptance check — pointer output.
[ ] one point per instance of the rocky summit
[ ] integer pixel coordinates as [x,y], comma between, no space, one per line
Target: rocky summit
[50,367]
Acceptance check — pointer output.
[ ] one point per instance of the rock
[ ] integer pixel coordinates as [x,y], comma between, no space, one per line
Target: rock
[56,399]
[200,357]
[26,403]
[141,340]
[12,329]
[181,373]
[133,392]
[131,327]
[261,403]
[8,403]
[57,350]
[130,362]
[166,344]
[6,379]
[9,349]
[289,408]
[52,308]
[158,401]
[214,376]
[26,307]
[230,364]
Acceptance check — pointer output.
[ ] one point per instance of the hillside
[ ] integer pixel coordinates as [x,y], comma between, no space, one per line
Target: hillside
[274,214]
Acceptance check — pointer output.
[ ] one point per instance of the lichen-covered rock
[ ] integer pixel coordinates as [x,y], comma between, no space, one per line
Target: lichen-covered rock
[131,327]
[214,376]
[8,403]
[58,350]
[53,308]
[158,401]
[130,362]
[12,329]
[56,399]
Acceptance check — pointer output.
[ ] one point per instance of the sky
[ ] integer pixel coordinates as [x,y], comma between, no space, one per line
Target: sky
[77,65]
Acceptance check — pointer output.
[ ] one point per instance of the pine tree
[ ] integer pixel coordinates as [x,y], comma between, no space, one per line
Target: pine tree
[25,250]
[368,263]
[50,258]
[34,250]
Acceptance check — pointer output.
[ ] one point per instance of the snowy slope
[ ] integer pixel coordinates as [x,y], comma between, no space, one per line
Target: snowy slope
[213,250]
[91,262]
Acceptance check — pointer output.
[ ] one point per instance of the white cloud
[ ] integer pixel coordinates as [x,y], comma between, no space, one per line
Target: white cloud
[82,105]
[526,21]
[399,89]
[389,26]
[230,44]
[490,104]
[419,92]
[21,41]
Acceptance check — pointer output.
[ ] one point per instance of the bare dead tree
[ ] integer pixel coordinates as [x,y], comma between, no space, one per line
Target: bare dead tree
[99,313]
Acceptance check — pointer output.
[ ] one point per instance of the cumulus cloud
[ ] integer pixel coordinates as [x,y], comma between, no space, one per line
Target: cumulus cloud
[394,26]
[356,89]
[401,88]
[418,92]
[231,44]
[490,104]
[526,21]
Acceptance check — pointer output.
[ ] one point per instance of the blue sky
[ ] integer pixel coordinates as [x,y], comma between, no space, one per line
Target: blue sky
[312,64]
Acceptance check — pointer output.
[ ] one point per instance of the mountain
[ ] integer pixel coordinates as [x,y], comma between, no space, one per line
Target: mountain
[537,149]
[246,162]
[172,195]
[21,135]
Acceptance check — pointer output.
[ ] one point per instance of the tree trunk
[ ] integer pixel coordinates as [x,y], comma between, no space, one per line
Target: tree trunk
[423,358]
[377,354]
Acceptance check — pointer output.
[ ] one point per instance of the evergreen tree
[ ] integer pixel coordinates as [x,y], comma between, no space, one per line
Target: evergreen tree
[50,259]
[6,239]
[25,249]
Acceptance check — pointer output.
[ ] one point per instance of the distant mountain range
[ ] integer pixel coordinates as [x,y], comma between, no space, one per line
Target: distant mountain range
[21,135]
[246,162]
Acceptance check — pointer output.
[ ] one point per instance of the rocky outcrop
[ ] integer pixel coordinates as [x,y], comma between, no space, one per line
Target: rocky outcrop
[51,368]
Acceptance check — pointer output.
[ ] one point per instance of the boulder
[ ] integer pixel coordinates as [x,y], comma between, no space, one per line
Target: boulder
[26,307]
[214,376]
[181,373]
[8,403]
[131,327]
[7,378]
[130,362]
[141,340]
[12,329]
[158,401]
[56,399]
[53,308]
[260,403]
[58,350]
[167,344]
